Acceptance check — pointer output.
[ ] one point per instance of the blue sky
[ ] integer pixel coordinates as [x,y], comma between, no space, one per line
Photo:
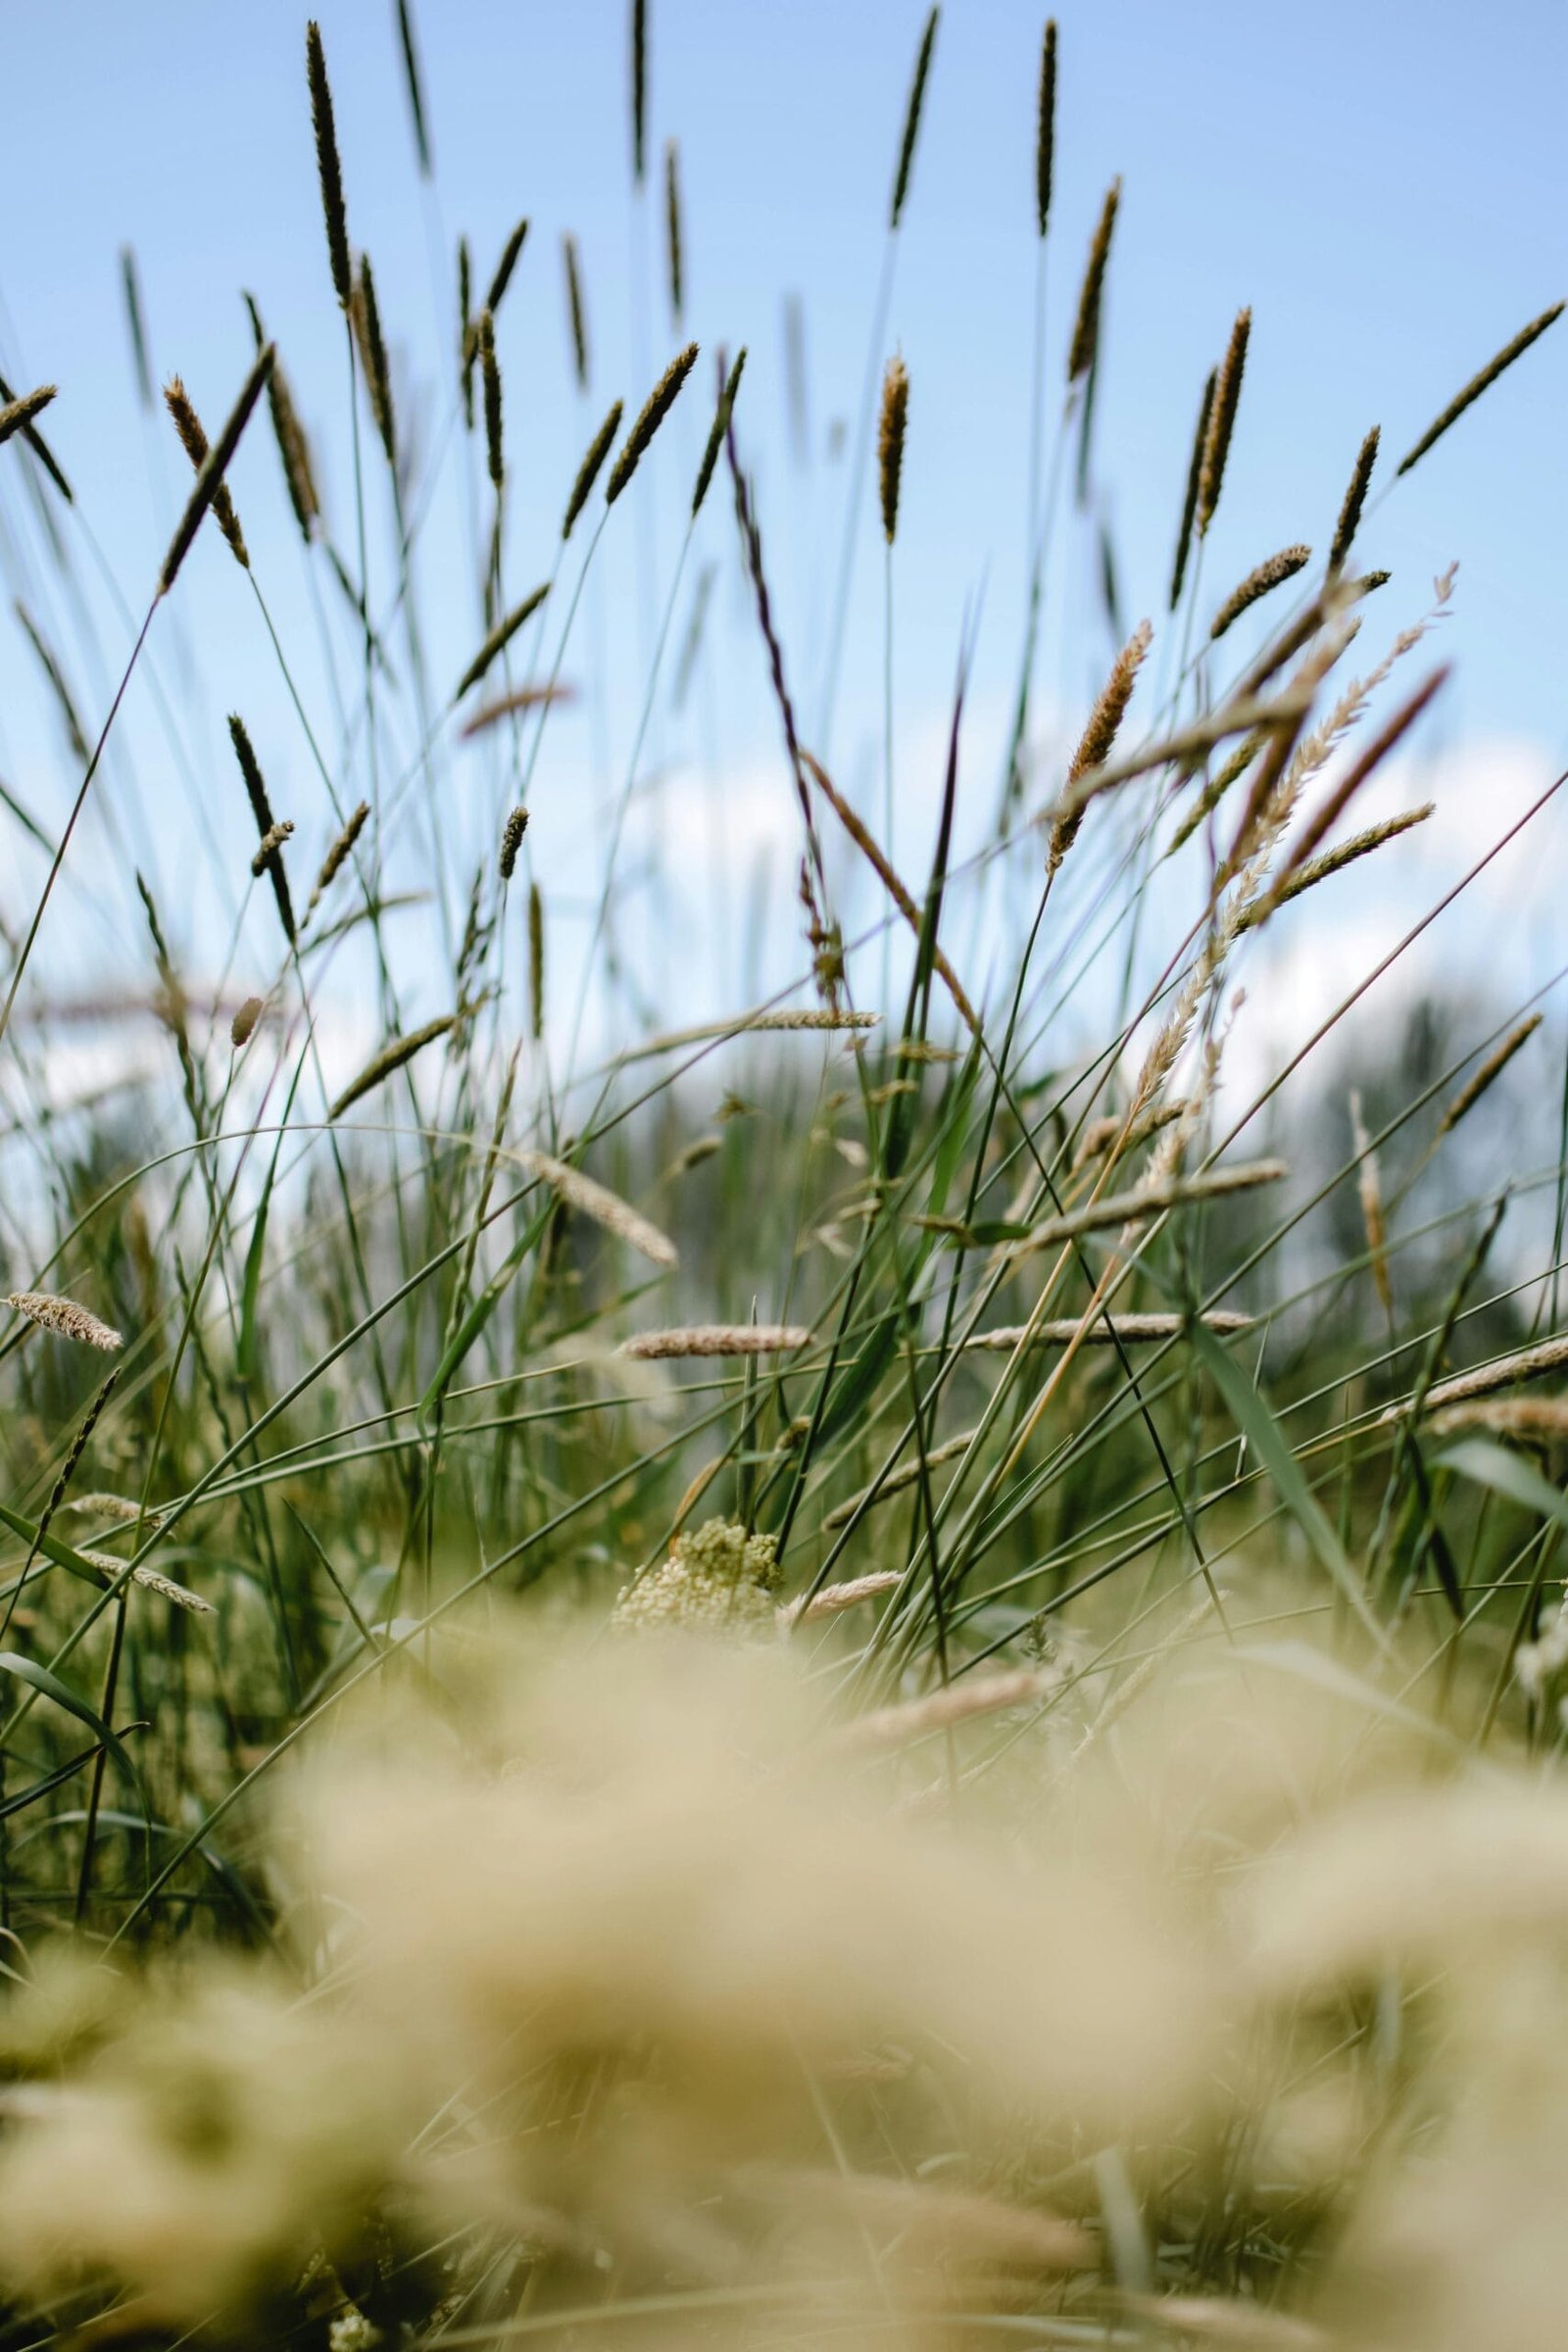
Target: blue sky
[1383,185]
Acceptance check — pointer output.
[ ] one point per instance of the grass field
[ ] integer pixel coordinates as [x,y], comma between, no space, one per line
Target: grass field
[849,1672]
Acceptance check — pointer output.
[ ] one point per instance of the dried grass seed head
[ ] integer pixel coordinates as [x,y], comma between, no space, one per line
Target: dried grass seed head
[911,119]
[577,311]
[891,427]
[210,479]
[1222,421]
[1271,574]
[588,471]
[18,415]
[193,440]
[1345,530]
[365,314]
[242,1028]
[330,169]
[500,637]
[716,433]
[1479,383]
[656,408]
[1046,125]
[504,267]
[1086,327]
[490,378]
[512,834]
[64,1318]
[293,446]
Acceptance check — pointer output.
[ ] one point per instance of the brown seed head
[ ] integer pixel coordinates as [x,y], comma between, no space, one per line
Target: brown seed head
[366,318]
[339,851]
[1354,498]
[661,400]
[1086,330]
[588,471]
[716,433]
[1479,383]
[516,826]
[330,170]
[1270,574]
[243,1026]
[890,443]
[210,479]
[500,636]
[1222,421]
[490,374]
[193,440]
[18,414]
[576,315]
[911,118]
[1045,124]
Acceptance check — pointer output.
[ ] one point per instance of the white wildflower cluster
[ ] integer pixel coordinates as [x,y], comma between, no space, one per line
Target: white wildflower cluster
[1536,1663]
[720,1580]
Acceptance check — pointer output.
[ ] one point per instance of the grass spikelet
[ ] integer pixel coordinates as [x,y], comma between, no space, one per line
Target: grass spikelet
[500,637]
[1095,744]
[210,479]
[1099,1134]
[674,249]
[114,1572]
[293,448]
[1046,125]
[40,449]
[64,1318]
[1479,383]
[512,833]
[413,83]
[1271,574]
[536,964]
[490,379]
[504,267]
[716,431]
[130,287]
[366,320]
[882,868]
[261,812]
[341,848]
[1487,1074]
[889,433]
[467,341]
[56,677]
[74,1453]
[1063,1331]
[193,440]
[656,408]
[1345,530]
[1195,475]
[897,1481]
[1369,1187]
[960,1702]
[19,414]
[576,310]
[1318,869]
[911,118]
[271,841]
[603,1207]
[1218,785]
[639,90]
[1506,1416]
[588,471]
[1338,800]
[521,698]
[718,1338]
[834,1599]
[111,1511]
[1149,1201]
[1086,329]
[242,1028]
[1222,421]
[329,170]
[1529,1363]
[391,1057]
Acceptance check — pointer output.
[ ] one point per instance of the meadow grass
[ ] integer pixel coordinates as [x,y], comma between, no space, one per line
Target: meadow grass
[837,1678]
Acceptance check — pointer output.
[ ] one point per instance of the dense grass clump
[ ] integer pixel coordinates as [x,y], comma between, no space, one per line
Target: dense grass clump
[858,1668]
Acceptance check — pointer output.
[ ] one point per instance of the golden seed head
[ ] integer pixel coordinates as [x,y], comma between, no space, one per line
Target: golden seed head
[890,443]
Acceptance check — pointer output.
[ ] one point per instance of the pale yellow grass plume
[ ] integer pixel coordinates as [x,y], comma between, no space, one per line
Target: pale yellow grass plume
[1487,1074]
[1529,1363]
[1061,1331]
[604,1207]
[65,1318]
[834,1599]
[719,1338]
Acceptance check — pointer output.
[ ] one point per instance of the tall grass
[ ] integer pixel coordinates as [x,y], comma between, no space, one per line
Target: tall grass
[841,1674]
